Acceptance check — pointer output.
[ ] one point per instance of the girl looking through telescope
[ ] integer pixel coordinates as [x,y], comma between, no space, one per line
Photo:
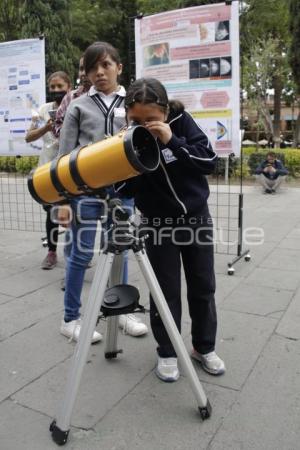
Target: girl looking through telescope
[173,203]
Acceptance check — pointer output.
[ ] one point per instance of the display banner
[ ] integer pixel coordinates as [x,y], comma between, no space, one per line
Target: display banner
[22,91]
[194,52]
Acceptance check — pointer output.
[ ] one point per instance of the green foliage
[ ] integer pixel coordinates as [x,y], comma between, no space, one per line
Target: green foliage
[11,17]
[86,23]
[265,19]
[292,162]
[265,41]
[244,169]
[258,75]
[248,150]
[22,164]
[26,163]
[105,20]
[52,19]
[153,6]
[7,164]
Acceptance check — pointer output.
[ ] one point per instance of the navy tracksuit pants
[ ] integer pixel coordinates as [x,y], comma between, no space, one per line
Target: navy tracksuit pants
[197,257]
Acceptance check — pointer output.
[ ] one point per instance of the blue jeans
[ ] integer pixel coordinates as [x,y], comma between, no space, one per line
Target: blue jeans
[86,213]
[67,245]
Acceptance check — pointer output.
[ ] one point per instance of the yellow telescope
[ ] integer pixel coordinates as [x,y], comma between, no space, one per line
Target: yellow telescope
[90,168]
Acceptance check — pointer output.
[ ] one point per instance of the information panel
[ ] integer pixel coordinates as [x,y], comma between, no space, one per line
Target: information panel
[22,90]
[194,52]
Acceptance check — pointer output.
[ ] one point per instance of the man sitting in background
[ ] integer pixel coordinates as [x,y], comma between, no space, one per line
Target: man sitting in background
[270,173]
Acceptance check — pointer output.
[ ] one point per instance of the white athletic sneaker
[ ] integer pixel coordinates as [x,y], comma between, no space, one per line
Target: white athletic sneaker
[131,325]
[167,369]
[72,331]
[210,362]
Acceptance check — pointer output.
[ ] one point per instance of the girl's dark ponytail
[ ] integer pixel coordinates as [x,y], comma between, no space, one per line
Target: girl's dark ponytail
[176,107]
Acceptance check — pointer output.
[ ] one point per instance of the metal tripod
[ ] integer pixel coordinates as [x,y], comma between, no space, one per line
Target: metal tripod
[114,301]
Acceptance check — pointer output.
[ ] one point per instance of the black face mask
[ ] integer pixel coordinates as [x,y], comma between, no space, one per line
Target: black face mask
[56,96]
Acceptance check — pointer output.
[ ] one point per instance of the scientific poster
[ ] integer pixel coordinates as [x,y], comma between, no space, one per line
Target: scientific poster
[194,52]
[22,90]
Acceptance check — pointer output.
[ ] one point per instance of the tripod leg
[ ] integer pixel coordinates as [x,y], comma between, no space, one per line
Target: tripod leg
[60,427]
[111,341]
[175,337]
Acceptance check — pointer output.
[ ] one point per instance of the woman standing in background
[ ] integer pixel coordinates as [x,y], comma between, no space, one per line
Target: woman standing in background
[41,127]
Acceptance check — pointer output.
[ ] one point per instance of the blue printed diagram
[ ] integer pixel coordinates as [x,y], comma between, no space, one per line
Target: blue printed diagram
[221,130]
[32,101]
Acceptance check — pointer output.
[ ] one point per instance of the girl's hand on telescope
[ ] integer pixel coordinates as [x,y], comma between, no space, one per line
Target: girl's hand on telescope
[161,130]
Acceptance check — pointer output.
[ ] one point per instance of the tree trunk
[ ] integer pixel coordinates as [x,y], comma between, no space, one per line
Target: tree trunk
[269,128]
[277,110]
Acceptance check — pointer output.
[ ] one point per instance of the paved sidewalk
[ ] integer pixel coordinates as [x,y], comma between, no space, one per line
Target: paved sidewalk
[121,404]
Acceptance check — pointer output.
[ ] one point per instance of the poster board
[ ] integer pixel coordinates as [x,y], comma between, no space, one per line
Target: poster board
[22,89]
[194,52]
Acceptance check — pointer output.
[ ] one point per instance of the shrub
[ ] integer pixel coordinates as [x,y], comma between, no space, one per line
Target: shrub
[26,163]
[22,164]
[245,169]
[292,162]
[7,164]
[247,151]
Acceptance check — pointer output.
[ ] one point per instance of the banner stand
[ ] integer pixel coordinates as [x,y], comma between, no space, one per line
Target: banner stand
[223,203]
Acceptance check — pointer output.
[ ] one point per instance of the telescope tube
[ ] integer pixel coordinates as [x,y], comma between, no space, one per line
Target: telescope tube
[90,168]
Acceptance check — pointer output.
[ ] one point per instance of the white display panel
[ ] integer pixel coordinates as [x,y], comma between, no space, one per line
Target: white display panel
[22,90]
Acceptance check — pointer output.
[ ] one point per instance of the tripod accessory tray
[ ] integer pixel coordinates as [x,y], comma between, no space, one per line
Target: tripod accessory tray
[120,299]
